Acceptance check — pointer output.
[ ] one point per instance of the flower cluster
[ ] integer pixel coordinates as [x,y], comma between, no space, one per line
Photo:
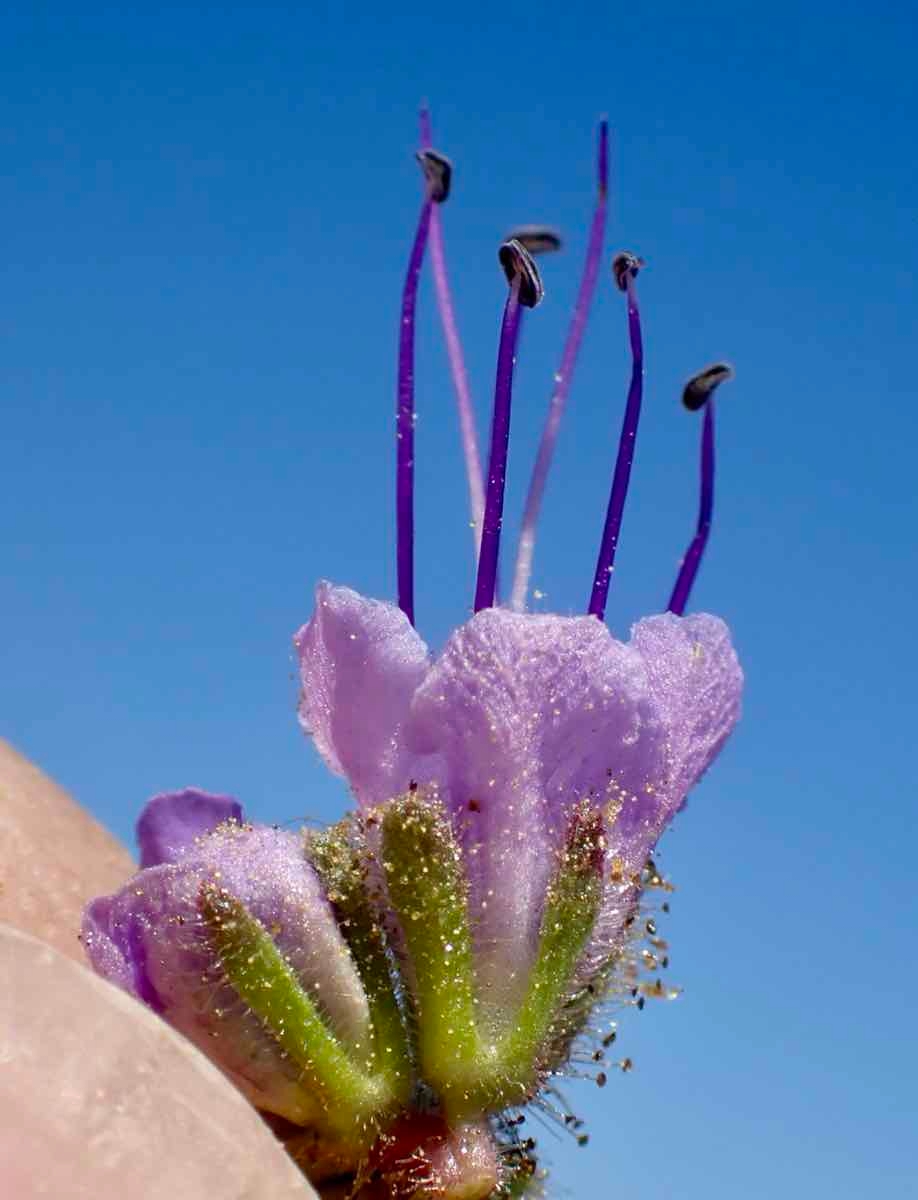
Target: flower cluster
[395,988]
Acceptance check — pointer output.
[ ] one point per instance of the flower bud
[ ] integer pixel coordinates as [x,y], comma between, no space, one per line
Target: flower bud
[236,945]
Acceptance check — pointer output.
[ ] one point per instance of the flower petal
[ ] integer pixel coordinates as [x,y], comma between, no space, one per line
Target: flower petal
[108,958]
[529,714]
[360,663]
[172,822]
[697,682]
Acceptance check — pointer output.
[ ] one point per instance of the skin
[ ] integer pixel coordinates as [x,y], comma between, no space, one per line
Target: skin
[98,1098]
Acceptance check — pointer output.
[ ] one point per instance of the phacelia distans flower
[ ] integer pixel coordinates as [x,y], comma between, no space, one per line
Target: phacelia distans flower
[395,989]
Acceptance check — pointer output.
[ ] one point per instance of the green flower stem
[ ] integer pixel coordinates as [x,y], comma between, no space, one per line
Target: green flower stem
[338,856]
[351,1098]
[428,891]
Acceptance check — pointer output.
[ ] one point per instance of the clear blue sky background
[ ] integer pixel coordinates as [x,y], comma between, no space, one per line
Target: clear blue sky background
[205,212]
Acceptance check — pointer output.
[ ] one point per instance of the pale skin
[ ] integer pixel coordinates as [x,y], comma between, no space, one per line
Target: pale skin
[98,1098]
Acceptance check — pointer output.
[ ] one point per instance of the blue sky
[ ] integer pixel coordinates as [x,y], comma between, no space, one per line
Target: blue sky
[206,213]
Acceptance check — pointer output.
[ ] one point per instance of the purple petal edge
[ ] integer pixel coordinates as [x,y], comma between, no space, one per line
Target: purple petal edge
[173,821]
[361,662]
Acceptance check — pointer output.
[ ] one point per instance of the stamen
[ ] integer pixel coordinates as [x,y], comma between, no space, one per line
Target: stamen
[519,264]
[699,393]
[625,267]
[538,239]
[700,387]
[525,290]
[438,171]
[563,379]
[437,177]
[467,430]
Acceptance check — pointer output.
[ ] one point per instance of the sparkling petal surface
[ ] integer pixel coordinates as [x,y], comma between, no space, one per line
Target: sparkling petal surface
[529,714]
[697,683]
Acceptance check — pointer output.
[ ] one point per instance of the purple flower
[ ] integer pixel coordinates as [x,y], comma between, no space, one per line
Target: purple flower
[516,720]
[396,985]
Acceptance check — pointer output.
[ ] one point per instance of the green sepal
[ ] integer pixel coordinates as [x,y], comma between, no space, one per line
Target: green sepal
[340,858]
[572,904]
[427,889]
[352,1100]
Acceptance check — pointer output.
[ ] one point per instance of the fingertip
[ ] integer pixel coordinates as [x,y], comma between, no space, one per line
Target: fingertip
[99,1098]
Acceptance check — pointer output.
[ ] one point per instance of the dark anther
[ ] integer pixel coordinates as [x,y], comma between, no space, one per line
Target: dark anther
[699,387]
[438,171]
[518,263]
[625,266]
[538,239]
[601,1079]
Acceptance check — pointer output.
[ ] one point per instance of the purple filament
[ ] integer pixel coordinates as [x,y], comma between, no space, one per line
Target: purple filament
[605,561]
[426,132]
[693,556]
[467,430]
[497,461]
[404,469]
[563,379]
